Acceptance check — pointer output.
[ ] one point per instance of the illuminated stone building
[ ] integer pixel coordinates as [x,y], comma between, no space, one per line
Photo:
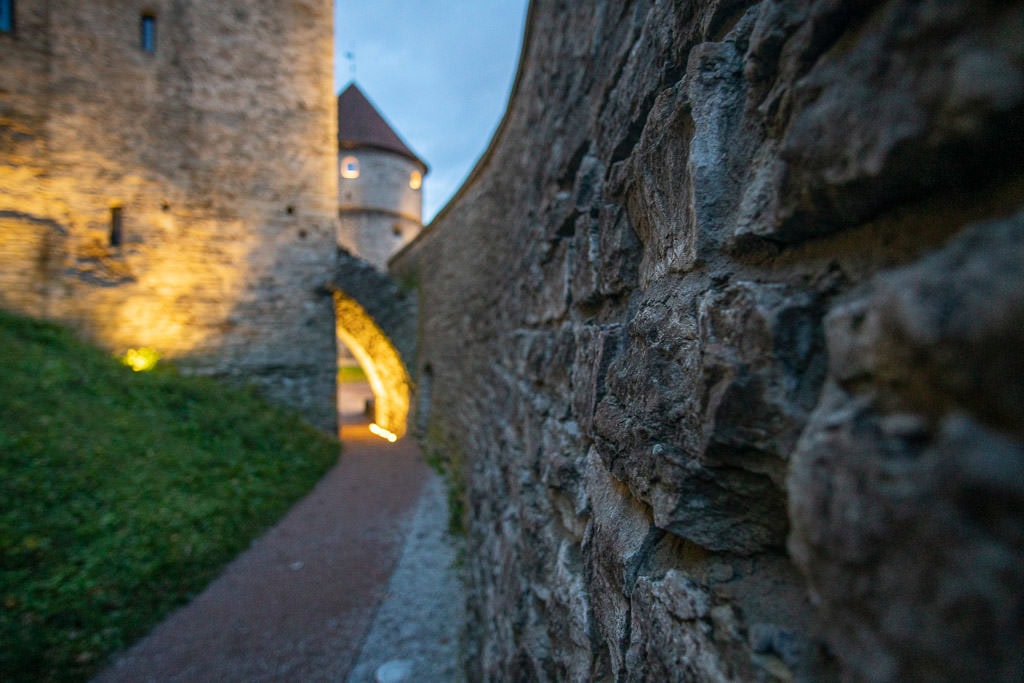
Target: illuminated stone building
[380,195]
[167,180]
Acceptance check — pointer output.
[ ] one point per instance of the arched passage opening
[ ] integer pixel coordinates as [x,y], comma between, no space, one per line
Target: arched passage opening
[380,361]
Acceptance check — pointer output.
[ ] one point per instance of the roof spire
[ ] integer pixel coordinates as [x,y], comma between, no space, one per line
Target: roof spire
[361,125]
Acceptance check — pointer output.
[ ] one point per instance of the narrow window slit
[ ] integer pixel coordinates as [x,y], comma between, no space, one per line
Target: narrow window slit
[6,16]
[116,226]
[147,33]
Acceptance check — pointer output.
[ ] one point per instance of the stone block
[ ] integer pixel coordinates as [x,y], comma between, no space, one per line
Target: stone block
[907,481]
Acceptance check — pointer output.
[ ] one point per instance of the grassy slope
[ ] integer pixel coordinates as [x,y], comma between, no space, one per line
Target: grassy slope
[122,494]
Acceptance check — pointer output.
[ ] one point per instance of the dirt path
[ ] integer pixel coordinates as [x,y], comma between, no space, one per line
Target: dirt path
[299,603]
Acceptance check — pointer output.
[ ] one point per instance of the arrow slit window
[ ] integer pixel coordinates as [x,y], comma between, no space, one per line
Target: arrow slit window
[116,236]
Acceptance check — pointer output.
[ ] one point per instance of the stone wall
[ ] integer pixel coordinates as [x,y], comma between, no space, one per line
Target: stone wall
[392,305]
[219,149]
[721,345]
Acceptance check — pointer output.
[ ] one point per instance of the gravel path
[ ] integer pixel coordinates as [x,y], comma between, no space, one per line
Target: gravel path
[415,635]
[299,604]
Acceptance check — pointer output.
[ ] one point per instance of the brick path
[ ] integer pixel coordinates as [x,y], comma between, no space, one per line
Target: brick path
[298,604]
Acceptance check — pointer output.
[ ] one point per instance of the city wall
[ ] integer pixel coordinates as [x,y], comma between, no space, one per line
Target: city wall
[720,345]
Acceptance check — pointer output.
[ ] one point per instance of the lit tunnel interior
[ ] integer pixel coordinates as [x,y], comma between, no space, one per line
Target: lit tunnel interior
[380,361]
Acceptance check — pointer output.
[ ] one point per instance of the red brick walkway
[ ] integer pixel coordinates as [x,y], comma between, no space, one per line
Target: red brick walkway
[297,604]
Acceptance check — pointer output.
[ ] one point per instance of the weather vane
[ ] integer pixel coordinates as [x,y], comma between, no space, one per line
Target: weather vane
[351,57]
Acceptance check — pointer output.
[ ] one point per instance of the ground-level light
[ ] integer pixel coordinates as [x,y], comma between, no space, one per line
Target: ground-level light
[382,433]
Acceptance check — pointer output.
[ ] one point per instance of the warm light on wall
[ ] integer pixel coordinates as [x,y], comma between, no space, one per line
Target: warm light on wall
[175,303]
[172,299]
[382,433]
[415,180]
[155,313]
[379,359]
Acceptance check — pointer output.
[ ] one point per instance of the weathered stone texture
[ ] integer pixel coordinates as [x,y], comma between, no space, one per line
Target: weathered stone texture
[220,149]
[392,307]
[721,342]
[908,483]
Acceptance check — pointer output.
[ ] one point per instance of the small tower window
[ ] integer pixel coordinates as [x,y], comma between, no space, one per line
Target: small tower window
[6,16]
[147,32]
[116,226]
[350,168]
[415,180]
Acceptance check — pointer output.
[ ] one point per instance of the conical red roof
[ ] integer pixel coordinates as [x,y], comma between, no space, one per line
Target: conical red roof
[361,125]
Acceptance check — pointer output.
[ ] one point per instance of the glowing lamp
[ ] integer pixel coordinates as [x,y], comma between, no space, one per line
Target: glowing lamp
[141,359]
[382,433]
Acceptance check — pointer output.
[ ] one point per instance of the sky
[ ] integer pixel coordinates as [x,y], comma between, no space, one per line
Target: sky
[439,71]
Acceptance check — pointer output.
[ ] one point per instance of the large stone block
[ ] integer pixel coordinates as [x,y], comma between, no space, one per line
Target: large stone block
[763,366]
[703,407]
[876,103]
[908,485]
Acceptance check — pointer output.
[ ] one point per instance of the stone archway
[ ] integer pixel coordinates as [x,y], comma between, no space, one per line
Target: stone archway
[380,360]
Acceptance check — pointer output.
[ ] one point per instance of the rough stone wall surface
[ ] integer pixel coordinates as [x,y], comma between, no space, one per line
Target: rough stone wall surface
[219,149]
[721,342]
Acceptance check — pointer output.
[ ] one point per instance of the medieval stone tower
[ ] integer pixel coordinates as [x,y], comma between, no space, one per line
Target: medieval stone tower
[380,180]
[167,179]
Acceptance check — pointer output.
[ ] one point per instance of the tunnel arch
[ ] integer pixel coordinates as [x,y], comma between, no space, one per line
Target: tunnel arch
[375,318]
[379,359]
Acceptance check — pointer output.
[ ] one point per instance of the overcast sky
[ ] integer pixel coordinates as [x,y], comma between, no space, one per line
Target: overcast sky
[440,72]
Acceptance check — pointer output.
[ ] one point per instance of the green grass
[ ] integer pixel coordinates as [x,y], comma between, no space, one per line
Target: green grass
[122,494]
[347,374]
[444,455]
